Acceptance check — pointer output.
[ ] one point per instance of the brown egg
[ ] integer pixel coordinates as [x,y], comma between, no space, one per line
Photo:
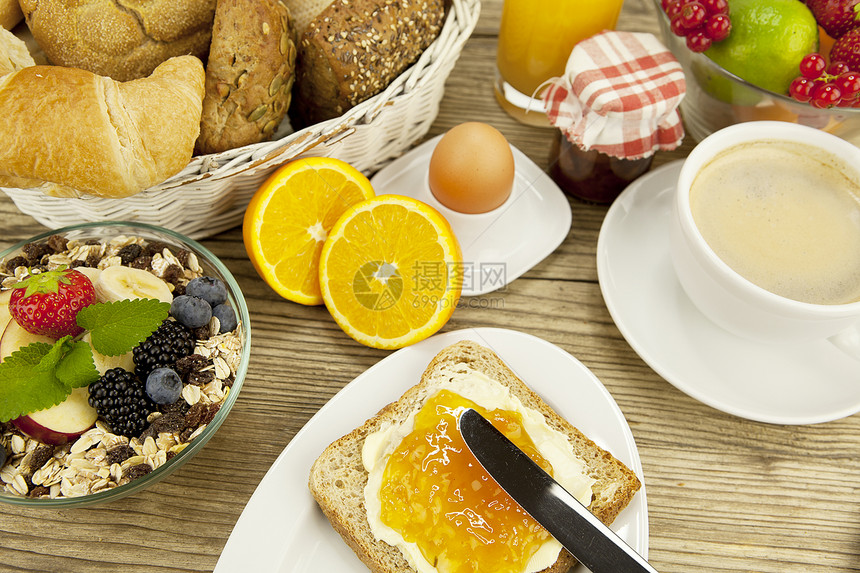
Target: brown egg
[472,168]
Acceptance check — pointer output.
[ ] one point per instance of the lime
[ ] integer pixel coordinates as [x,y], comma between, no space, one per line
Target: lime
[767,42]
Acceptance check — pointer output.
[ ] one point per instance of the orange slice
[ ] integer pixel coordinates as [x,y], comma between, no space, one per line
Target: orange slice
[289,217]
[391,271]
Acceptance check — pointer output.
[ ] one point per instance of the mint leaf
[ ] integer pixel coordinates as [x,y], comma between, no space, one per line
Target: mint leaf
[49,362]
[76,368]
[23,387]
[117,327]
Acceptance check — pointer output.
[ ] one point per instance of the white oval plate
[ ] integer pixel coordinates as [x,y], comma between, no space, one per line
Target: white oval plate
[797,383]
[283,530]
[503,244]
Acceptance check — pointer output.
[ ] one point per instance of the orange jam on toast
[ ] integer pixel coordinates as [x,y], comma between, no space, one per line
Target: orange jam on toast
[436,494]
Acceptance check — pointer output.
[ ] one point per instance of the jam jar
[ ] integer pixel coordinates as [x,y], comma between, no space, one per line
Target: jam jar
[614,107]
[590,175]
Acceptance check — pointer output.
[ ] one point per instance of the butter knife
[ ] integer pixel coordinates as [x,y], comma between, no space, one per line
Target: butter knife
[590,541]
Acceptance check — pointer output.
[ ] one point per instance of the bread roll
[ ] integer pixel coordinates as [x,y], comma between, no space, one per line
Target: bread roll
[304,11]
[14,54]
[10,14]
[124,40]
[355,48]
[71,132]
[249,74]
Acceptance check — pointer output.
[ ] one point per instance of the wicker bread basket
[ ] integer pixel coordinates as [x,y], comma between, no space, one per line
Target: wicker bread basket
[211,193]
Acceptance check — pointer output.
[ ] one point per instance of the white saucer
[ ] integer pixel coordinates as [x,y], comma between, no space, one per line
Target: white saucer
[503,244]
[797,383]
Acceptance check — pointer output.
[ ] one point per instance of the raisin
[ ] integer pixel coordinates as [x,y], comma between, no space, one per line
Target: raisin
[39,456]
[155,248]
[129,253]
[35,251]
[57,243]
[119,454]
[135,472]
[39,491]
[141,262]
[191,363]
[173,274]
[16,262]
[201,378]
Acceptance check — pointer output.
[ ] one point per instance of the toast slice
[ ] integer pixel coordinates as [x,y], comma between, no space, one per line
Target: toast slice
[338,478]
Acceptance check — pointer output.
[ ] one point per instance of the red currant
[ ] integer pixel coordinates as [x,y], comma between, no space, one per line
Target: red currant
[676,26]
[718,27]
[673,10]
[698,41]
[801,89]
[837,68]
[825,96]
[716,6]
[848,84]
[812,66]
[692,15]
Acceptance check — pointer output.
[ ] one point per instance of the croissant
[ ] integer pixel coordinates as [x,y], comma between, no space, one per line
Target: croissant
[70,132]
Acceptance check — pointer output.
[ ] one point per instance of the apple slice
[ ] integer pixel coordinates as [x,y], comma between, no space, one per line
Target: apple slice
[61,423]
[15,337]
[104,363]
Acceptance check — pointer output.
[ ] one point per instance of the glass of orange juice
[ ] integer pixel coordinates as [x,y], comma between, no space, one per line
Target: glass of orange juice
[535,41]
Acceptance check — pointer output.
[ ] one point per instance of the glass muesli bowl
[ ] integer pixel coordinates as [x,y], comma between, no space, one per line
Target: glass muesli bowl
[232,348]
[716,98]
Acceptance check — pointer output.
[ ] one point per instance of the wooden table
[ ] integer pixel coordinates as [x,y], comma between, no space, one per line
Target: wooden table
[724,493]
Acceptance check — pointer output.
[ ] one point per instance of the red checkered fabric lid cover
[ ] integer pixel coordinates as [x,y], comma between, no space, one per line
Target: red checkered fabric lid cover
[619,95]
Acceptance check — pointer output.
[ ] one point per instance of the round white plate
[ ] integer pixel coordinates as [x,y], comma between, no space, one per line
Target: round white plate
[503,244]
[283,530]
[798,383]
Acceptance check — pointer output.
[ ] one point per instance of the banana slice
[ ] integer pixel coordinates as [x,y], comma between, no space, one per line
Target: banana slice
[90,272]
[104,363]
[120,283]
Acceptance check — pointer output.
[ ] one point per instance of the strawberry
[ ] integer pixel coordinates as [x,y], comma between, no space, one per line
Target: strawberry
[837,17]
[48,303]
[847,49]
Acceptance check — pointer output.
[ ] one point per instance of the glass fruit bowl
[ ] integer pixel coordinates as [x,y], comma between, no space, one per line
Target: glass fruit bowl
[716,98]
[96,457]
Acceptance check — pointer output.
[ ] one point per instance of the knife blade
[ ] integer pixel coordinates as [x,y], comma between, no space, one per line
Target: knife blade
[588,539]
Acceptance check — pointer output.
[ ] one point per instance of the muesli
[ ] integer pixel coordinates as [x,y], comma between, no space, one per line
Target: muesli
[190,390]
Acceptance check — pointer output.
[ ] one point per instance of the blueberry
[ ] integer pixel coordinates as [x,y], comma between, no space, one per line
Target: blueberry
[226,317]
[210,289]
[191,311]
[163,386]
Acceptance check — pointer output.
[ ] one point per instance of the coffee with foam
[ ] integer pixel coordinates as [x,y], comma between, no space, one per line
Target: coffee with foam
[786,216]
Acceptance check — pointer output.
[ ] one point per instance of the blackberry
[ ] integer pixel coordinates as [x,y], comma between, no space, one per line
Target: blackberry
[163,348]
[120,398]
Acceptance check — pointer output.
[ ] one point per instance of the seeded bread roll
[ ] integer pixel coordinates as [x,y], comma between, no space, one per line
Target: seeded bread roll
[354,48]
[121,39]
[71,132]
[249,75]
[304,11]
[337,478]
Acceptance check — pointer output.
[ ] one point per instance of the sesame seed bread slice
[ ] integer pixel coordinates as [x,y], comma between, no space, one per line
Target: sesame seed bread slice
[338,478]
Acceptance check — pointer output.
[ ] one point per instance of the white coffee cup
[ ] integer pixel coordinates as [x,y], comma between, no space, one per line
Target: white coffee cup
[725,296]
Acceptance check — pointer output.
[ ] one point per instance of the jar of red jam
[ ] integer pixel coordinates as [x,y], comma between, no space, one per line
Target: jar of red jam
[614,107]
[591,175]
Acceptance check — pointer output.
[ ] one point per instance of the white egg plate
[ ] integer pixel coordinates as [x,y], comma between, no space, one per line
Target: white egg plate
[500,245]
